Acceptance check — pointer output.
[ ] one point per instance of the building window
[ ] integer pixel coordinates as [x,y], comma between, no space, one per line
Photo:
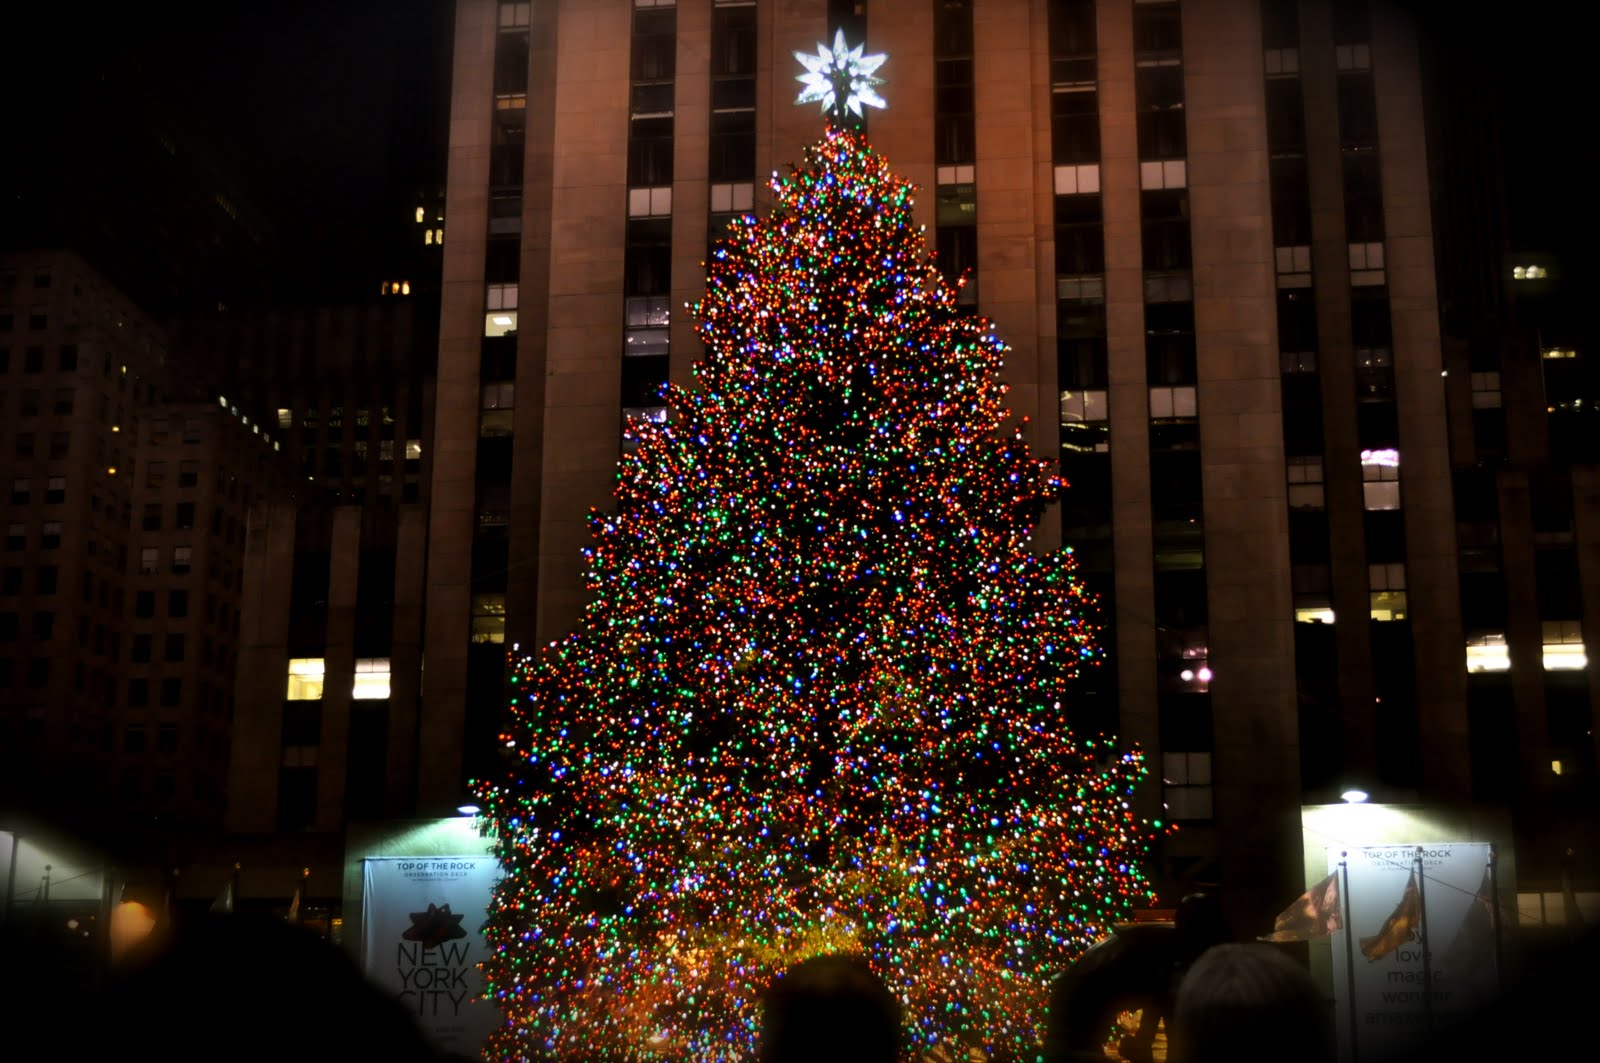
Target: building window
[500,318]
[489,618]
[1387,584]
[1485,391]
[1294,266]
[50,535]
[1563,646]
[1305,483]
[650,202]
[155,474]
[139,649]
[55,490]
[1282,62]
[150,517]
[144,604]
[1168,287]
[171,692]
[1366,264]
[182,558]
[305,679]
[1083,407]
[1172,403]
[17,537]
[514,16]
[149,560]
[47,579]
[1380,476]
[173,650]
[1488,652]
[372,679]
[1186,788]
[1168,173]
[188,473]
[1352,57]
[1078,180]
[497,409]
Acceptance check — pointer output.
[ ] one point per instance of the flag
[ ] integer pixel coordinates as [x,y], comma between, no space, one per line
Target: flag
[1396,929]
[1473,945]
[224,901]
[1315,914]
[294,906]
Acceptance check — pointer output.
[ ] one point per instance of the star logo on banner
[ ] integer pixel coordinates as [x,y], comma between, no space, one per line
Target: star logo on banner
[841,79]
[434,927]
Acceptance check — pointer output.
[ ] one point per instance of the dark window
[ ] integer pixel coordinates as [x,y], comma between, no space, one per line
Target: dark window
[11,580]
[655,44]
[33,358]
[139,648]
[171,692]
[167,739]
[733,40]
[188,473]
[733,146]
[1071,27]
[144,604]
[68,355]
[38,673]
[174,647]
[185,519]
[650,152]
[138,693]
[1358,112]
[297,797]
[1157,30]
[1286,120]
[1161,135]
[133,738]
[177,603]
[47,579]
[1363,198]
[44,625]
[150,518]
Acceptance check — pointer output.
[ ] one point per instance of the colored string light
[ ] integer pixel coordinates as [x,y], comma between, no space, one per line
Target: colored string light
[817,701]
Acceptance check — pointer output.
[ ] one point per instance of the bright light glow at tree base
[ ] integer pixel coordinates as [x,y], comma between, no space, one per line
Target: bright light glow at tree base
[819,700]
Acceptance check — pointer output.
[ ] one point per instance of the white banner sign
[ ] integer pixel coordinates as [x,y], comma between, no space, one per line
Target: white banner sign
[421,923]
[1422,944]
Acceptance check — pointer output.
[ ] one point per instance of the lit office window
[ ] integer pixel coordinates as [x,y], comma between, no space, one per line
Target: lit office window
[1488,653]
[500,317]
[1387,584]
[489,618]
[1380,476]
[372,679]
[305,679]
[1563,646]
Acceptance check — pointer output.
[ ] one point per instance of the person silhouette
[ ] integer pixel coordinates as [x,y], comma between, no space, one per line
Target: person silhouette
[829,1007]
[1250,1004]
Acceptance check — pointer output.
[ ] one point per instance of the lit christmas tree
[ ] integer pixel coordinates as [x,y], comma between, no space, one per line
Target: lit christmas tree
[818,702]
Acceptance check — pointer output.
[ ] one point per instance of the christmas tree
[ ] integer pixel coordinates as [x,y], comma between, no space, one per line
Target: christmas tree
[819,701]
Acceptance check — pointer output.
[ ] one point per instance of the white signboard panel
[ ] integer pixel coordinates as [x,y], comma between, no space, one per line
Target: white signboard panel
[1421,951]
[421,923]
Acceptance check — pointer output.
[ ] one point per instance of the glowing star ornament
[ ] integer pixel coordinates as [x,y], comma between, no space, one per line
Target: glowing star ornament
[841,79]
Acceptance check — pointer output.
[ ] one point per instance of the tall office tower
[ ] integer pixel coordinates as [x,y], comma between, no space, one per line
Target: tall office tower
[1203,227]
[329,665]
[120,586]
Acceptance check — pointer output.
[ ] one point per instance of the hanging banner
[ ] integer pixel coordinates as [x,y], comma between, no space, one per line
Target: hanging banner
[1422,949]
[421,939]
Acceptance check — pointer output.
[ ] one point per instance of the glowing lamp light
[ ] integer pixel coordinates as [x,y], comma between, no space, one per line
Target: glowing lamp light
[501,319]
[468,809]
[1186,675]
[1389,458]
[1204,674]
[1355,795]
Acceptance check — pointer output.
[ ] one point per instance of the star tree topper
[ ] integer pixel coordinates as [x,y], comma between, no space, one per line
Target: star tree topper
[840,79]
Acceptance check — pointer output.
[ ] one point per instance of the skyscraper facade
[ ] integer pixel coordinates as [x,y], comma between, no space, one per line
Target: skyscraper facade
[1205,230]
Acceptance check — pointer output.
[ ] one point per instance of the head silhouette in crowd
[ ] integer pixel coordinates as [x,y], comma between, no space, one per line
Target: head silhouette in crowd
[829,1008]
[1250,1003]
